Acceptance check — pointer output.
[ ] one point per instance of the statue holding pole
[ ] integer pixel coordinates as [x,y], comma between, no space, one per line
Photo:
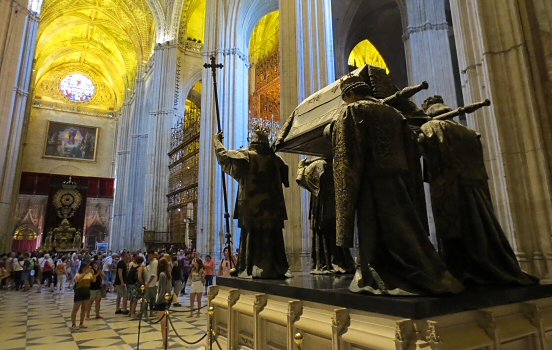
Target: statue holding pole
[260,206]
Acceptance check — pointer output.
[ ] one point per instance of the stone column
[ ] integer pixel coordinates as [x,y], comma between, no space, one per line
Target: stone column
[122,155]
[18,28]
[428,53]
[306,66]
[428,50]
[132,146]
[221,40]
[161,94]
[493,54]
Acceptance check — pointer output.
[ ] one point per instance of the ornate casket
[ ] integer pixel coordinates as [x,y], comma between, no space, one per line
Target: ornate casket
[303,131]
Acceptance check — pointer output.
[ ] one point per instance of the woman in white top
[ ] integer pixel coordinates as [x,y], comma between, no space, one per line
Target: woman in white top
[17,272]
[196,282]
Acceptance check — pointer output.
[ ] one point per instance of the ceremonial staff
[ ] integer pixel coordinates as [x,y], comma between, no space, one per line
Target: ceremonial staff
[213,66]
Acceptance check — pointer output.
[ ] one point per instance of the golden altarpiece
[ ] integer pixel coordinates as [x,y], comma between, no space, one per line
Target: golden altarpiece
[183,178]
[264,97]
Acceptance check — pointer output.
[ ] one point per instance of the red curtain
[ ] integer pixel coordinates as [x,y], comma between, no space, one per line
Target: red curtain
[23,246]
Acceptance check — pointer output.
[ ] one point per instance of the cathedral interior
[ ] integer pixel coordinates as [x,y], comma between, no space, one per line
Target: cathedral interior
[111,99]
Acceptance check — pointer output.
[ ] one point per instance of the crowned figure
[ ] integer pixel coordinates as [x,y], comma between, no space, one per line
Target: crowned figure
[371,177]
[260,207]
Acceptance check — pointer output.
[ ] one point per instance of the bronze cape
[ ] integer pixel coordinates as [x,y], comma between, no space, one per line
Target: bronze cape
[371,175]
[260,208]
[473,244]
[316,176]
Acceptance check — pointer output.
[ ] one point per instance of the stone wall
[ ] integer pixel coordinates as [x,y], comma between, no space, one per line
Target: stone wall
[33,160]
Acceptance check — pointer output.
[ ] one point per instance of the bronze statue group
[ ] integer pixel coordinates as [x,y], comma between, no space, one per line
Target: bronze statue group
[372,184]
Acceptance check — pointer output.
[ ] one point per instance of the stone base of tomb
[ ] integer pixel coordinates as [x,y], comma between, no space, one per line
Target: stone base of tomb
[268,314]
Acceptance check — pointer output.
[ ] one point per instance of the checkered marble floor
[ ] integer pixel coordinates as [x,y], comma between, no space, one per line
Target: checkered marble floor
[33,321]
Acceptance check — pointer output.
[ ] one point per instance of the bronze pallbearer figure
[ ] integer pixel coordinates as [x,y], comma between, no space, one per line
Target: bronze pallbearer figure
[473,245]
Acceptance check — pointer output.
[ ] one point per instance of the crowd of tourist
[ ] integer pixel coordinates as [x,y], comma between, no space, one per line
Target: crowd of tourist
[91,275]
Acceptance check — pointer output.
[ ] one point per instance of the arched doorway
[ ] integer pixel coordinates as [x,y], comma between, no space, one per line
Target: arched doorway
[381,23]
[366,53]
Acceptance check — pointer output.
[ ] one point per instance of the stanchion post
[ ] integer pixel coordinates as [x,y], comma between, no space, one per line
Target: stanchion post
[298,338]
[167,299]
[211,313]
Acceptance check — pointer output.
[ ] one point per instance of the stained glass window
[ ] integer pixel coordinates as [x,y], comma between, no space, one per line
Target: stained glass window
[77,87]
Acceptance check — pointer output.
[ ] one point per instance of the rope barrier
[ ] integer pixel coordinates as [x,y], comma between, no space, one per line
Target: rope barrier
[189,310]
[187,342]
[144,311]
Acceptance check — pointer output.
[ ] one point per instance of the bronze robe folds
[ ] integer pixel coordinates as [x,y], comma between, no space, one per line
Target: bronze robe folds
[370,172]
[474,247]
[260,208]
[326,257]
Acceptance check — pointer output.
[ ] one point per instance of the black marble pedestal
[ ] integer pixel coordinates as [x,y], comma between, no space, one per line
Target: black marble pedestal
[333,290]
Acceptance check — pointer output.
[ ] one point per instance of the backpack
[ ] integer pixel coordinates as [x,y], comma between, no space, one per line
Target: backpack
[132,275]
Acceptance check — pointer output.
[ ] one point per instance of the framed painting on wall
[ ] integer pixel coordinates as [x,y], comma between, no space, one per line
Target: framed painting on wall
[71,142]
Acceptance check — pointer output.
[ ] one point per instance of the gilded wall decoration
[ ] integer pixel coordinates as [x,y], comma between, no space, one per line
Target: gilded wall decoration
[71,141]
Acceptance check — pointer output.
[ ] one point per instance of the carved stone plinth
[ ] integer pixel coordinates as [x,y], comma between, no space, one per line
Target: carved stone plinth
[311,308]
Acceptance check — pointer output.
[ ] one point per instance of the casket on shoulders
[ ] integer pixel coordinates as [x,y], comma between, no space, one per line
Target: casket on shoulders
[303,131]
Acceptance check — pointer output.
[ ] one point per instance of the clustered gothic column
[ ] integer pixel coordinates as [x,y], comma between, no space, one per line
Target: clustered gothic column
[18,28]
[132,145]
[232,95]
[306,66]
[159,137]
[427,43]
[494,45]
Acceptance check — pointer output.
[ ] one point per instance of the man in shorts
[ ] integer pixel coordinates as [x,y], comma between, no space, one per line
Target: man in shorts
[120,286]
[106,264]
[151,280]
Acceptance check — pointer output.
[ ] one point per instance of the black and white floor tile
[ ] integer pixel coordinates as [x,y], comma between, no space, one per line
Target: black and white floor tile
[33,321]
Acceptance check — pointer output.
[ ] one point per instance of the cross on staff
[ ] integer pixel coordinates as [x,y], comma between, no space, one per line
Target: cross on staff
[213,66]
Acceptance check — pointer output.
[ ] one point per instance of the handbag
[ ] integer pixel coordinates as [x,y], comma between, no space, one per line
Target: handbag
[104,290]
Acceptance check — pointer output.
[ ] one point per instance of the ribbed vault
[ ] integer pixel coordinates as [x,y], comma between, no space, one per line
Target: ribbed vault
[107,39]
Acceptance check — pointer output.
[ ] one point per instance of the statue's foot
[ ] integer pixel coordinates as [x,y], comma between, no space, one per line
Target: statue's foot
[256,271]
[288,274]
[244,275]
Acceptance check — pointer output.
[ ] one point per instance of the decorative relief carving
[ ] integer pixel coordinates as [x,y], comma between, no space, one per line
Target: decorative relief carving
[341,319]
[405,334]
[295,310]
[432,337]
[228,52]
[246,341]
[73,108]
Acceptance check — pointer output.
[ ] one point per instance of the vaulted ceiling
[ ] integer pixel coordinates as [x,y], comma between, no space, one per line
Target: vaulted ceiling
[107,40]
[265,37]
